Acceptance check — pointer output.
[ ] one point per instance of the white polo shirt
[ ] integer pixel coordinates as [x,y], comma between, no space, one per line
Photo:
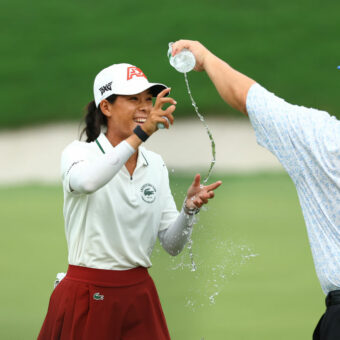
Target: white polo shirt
[116,227]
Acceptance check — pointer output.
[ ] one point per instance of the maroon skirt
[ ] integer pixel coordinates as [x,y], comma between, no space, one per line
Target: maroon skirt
[102,304]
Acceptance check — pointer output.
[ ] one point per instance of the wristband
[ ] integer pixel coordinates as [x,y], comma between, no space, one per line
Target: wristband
[142,135]
[192,211]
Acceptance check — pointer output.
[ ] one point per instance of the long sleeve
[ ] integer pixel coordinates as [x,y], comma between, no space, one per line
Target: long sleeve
[178,233]
[85,177]
[175,228]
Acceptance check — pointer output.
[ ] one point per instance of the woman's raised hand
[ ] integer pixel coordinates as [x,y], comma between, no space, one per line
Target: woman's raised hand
[157,113]
[199,194]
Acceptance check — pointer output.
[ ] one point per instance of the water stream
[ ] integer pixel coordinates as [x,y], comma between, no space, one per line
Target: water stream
[212,163]
[201,118]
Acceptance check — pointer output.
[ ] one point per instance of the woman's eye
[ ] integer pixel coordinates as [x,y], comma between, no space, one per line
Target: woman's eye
[133,98]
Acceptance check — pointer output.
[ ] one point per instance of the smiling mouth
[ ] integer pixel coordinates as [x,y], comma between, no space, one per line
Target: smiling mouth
[139,120]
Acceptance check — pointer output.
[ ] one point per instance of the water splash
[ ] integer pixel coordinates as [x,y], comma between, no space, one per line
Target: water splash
[212,273]
[201,118]
[192,260]
[212,297]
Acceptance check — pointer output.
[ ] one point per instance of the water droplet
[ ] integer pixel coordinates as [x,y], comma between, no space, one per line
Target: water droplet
[212,297]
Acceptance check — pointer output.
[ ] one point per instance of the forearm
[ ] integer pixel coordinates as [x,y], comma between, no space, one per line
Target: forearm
[176,236]
[232,85]
[87,177]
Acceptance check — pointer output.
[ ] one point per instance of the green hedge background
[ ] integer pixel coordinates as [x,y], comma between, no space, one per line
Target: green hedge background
[52,50]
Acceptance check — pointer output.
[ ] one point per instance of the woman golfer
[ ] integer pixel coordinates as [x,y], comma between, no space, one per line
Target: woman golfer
[117,201]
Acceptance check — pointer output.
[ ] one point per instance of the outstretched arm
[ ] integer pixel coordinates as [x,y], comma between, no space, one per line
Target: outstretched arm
[177,234]
[232,85]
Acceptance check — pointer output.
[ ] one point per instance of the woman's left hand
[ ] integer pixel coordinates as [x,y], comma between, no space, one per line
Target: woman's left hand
[199,194]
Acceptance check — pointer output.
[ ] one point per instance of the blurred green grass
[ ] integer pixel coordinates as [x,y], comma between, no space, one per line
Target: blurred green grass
[51,51]
[254,280]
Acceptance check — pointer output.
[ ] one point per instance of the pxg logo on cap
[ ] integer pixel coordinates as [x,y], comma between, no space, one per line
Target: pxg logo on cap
[105,88]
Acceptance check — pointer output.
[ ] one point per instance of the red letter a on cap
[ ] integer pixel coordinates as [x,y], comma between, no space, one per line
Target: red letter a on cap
[134,71]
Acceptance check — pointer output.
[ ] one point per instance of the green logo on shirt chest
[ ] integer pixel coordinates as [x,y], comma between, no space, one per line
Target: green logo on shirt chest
[148,193]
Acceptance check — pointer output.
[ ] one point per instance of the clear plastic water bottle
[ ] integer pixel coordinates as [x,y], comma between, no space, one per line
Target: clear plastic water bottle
[183,61]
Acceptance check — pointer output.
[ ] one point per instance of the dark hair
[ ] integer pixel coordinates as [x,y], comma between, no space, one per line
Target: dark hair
[95,119]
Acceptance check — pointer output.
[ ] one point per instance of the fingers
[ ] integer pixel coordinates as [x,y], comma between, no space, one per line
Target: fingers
[200,200]
[168,113]
[158,115]
[162,125]
[197,202]
[160,101]
[167,118]
[199,51]
[180,44]
[205,196]
[165,121]
[197,180]
[164,92]
[206,193]
[213,186]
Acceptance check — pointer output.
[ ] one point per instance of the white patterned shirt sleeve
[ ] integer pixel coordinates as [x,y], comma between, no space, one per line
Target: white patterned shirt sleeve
[307,143]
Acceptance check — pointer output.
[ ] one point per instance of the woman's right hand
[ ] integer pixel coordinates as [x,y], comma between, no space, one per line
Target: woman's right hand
[157,113]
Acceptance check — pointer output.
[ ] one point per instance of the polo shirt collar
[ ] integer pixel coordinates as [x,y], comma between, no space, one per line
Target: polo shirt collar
[142,157]
[104,145]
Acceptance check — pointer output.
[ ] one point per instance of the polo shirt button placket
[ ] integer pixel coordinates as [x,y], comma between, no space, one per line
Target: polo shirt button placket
[133,196]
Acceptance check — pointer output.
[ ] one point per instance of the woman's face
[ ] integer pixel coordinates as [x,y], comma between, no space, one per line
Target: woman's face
[127,112]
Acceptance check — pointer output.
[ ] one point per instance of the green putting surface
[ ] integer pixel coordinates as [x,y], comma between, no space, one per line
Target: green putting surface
[254,280]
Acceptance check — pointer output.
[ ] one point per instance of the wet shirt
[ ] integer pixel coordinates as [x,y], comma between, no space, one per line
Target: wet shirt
[307,143]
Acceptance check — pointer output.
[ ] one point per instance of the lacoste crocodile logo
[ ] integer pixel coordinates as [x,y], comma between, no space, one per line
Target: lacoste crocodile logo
[148,193]
[98,296]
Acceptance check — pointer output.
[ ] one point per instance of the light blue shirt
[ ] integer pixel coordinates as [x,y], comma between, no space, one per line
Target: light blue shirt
[307,143]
